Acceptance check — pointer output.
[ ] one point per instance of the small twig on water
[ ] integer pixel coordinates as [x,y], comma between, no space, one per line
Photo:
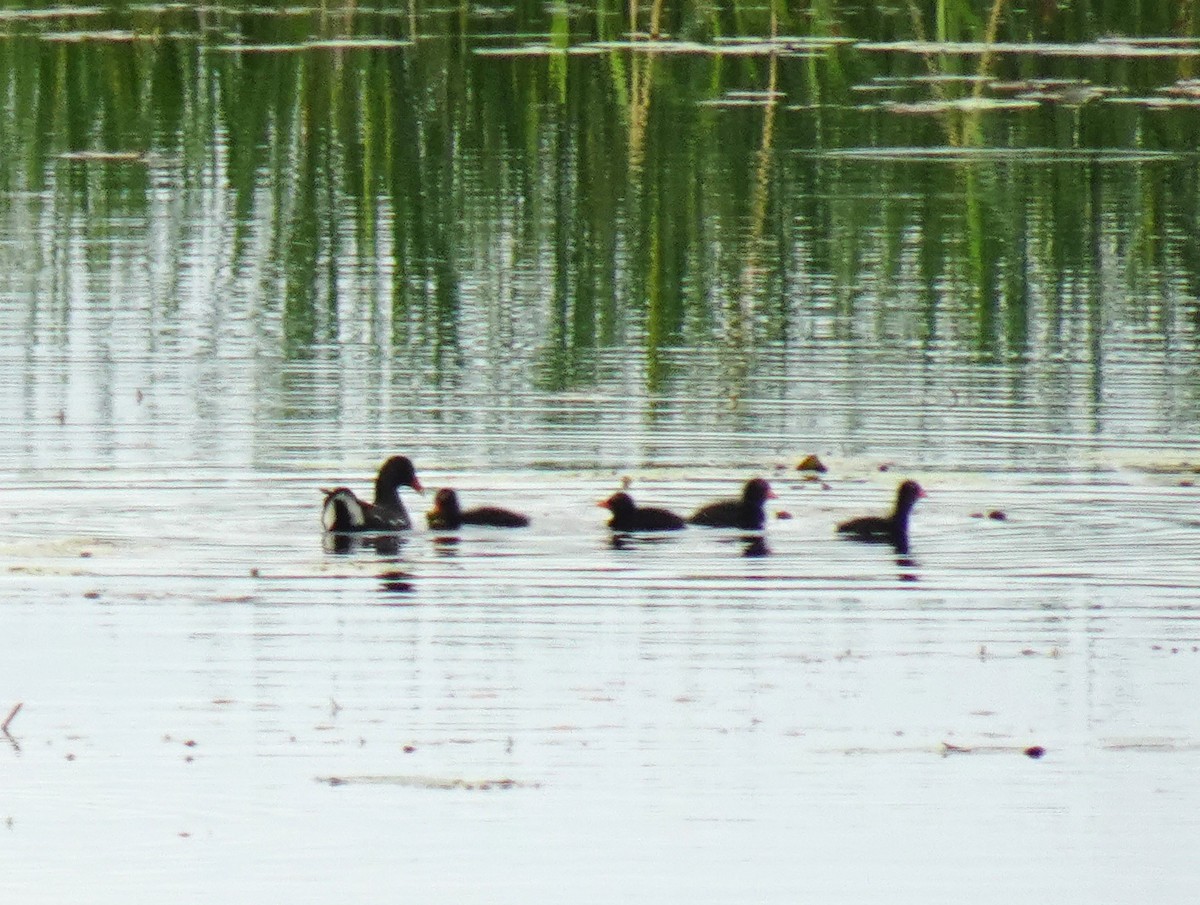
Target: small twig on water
[12,713]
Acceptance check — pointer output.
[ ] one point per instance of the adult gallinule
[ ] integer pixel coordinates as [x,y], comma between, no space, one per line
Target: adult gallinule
[343,511]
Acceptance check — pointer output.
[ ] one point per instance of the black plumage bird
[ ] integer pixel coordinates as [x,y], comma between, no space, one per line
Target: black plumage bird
[629,516]
[448,515]
[888,529]
[745,513]
[343,511]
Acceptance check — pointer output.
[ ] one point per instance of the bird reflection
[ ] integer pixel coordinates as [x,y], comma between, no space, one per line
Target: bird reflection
[446,545]
[396,582]
[386,546]
[625,540]
[343,543]
[907,565]
[754,545]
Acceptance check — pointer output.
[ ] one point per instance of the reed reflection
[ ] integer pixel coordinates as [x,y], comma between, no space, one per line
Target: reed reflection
[407,204]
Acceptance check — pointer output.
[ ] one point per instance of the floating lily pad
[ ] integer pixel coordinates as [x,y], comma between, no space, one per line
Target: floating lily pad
[756,95]
[964,105]
[940,79]
[1165,39]
[111,37]
[329,44]
[281,10]
[490,12]
[721,47]
[538,37]
[977,48]
[1021,155]
[527,50]
[1158,103]
[58,12]
[1068,97]
[733,102]
[104,156]
[794,41]
[1026,85]
[258,48]
[744,99]
[358,44]
[682,47]
[1184,88]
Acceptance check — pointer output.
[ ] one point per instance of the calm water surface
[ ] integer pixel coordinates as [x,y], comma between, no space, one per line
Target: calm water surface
[230,276]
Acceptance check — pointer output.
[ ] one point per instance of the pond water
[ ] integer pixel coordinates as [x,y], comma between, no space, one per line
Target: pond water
[247,254]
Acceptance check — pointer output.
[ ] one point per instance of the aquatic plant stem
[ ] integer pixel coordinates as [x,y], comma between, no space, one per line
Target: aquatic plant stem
[655,18]
[762,173]
[989,38]
[11,714]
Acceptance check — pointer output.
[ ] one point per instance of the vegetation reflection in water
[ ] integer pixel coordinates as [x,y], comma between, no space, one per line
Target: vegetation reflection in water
[554,194]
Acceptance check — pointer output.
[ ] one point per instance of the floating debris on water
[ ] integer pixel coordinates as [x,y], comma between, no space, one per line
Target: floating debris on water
[430,782]
[812,463]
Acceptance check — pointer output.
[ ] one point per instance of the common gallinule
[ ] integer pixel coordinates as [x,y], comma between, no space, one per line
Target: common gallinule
[745,513]
[447,515]
[629,516]
[343,511]
[891,529]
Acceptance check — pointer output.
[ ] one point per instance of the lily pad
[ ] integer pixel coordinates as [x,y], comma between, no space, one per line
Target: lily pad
[964,105]
[104,156]
[109,37]
[58,12]
[328,44]
[978,48]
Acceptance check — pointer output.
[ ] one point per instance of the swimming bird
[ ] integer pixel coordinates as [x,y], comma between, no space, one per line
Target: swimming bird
[890,529]
[343,511]
[629,516]
[447,515]
[745,513]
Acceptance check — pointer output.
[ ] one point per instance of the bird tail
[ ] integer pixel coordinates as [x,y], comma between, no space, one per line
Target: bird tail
[342,511]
